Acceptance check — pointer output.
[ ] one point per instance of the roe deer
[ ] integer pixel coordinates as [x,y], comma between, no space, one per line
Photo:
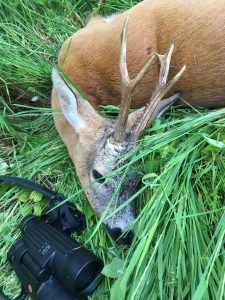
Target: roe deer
[90,58]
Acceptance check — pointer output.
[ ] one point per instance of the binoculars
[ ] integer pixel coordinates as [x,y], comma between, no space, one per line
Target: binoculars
[50,265]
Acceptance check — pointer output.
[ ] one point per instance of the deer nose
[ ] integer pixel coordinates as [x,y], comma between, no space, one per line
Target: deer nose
[116,232]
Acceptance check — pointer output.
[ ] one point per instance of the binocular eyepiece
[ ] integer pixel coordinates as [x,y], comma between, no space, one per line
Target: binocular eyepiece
[50,265]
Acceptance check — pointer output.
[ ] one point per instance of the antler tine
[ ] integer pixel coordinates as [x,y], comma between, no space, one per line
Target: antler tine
[165,64]
[160,91]
[127,85]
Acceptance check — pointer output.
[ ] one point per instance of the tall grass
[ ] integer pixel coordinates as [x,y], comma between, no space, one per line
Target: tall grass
[178,249]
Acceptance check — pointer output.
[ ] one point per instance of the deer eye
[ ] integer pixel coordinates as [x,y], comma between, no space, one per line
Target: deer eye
[98,176]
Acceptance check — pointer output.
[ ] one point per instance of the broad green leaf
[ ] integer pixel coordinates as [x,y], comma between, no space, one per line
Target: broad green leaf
[25,210]
[24,196]
[114,269]
[37,210]
[120,285]
[35,196]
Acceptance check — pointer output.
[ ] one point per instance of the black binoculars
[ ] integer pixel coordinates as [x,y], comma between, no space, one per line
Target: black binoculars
[50,265]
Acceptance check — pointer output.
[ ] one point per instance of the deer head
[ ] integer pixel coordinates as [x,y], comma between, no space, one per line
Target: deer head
[96,143]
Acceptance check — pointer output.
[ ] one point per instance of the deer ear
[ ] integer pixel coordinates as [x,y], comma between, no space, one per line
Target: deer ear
[76,110]
[68,101]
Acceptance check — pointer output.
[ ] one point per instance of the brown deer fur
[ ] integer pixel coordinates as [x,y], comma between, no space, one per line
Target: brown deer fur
[199,28]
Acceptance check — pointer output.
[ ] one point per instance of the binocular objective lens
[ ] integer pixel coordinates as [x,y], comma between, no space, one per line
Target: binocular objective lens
[87,275]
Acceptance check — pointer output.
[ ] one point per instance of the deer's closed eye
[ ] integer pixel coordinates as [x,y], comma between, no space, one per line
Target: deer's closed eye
[98,176]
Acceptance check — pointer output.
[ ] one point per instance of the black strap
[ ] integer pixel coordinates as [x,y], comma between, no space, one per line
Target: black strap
[65,217]
[32,185]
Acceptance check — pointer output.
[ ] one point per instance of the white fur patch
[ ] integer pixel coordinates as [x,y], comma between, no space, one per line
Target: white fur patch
[68,101]
[113,149]
[110,18]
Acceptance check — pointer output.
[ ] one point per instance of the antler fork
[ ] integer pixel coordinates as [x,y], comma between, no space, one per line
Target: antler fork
[156,104]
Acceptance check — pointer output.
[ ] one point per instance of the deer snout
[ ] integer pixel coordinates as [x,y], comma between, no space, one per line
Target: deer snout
[116,234]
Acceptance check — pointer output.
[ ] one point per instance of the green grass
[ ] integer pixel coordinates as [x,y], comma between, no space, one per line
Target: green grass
[178,250]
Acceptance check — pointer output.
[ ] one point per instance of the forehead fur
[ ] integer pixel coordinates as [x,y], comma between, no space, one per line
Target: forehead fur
[101,146]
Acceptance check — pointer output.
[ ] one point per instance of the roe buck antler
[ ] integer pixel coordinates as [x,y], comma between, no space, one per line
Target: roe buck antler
[156,104]
[127,85]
